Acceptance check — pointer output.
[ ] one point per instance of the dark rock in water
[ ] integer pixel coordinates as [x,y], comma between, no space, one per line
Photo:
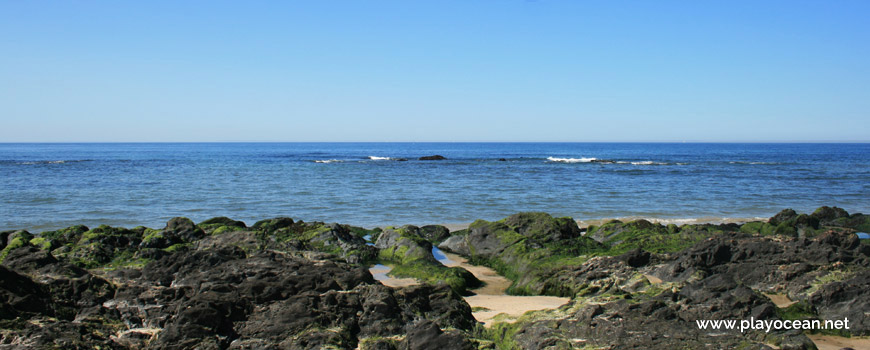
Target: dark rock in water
[502,160]
[401,159]
[435,157]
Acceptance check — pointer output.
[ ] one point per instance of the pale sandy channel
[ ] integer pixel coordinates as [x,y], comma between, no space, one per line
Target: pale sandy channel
[487,301]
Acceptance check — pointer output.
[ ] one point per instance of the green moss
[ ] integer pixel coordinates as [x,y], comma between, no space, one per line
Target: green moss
[376,342]
[151,234]
[66,235]
[752,227]
[126,259]
[503,334]
[640,234]
[394,254]
[798,311]
[459,279]
[41,243]
[785,229]
[22,238]
[178,247]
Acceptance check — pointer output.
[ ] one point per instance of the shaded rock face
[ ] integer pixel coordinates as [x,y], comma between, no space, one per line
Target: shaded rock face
[845,299]
[434,233]
[223,292]
[177,231]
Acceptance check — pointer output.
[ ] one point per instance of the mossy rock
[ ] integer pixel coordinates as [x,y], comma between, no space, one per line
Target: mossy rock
[103,244]
[271,225]
[14,241]
[63,236]
[404,245]
[459,279]
[220,225]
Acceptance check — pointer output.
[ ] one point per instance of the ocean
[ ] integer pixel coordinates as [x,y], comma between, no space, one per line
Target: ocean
[49,186]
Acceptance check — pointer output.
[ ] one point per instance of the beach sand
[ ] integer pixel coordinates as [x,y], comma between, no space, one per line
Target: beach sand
[380,274]
[491,298]
[780,300]
[829,342]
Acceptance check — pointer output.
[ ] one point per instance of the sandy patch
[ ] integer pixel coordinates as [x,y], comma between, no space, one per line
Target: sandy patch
[492,296]
[653,279]
[455,227]
[379,272]
[780,300]
[829,342]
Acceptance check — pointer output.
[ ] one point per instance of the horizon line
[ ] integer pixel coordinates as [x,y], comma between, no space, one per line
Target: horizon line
[279,141]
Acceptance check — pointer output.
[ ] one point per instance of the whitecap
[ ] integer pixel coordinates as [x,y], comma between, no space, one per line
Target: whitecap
[571,160]
[379,158]
[327,161]
[648,162]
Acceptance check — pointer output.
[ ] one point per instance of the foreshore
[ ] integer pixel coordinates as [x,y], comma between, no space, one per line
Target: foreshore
[527,279]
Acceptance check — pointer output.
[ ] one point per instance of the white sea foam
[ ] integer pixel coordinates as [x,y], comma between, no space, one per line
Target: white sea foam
[648,162]
[754,163]
[571,160]
[379,158]
[54,162]
[327,161]
[676,221]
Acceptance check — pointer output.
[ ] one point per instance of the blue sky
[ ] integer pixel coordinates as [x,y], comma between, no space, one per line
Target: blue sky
[434,71]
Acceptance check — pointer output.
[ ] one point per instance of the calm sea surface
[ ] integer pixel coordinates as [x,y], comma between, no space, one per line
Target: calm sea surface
[45,186]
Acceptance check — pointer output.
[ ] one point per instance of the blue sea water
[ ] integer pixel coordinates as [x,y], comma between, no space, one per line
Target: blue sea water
[46,186]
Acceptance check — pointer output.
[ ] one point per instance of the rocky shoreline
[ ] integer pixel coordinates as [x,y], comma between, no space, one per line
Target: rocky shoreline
[288,284]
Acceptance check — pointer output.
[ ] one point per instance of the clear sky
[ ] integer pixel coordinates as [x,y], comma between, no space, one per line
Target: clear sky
[464,70]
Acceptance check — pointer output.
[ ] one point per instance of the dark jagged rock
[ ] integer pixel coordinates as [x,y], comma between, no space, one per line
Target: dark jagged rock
[20,295]
[426,335]
[435,157]
[222,220]
[220,225]
[297,285]
[846,299]
[178,231]
[434,233]
[827,215]
[272,225]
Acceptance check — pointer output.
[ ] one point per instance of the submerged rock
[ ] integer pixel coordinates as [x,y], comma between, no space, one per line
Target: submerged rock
[435,157]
